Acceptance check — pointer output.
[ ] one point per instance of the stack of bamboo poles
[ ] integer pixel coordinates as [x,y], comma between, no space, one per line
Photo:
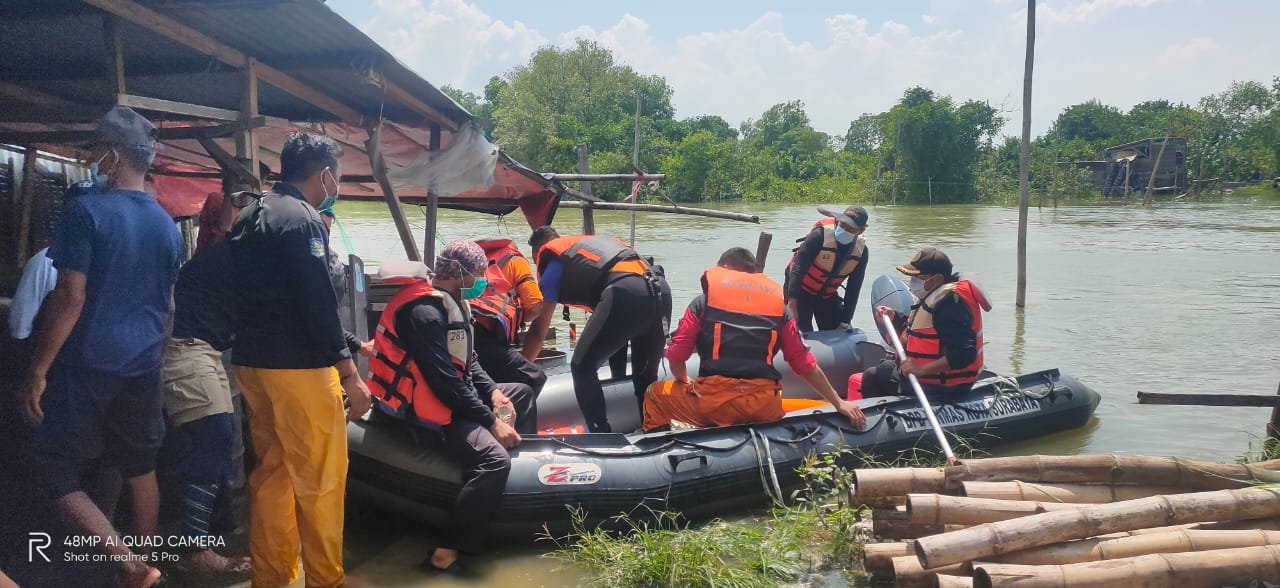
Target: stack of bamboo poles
[1066,521]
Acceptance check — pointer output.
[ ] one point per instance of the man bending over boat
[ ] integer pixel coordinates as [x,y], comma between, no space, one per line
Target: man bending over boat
[630,302]
[511,299]
[424,371]
[737,325]
[942,336]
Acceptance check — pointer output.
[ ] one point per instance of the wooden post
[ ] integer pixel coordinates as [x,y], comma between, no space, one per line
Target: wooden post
[635,163]
[930,190]
[114,53]
[762,250]
[1273,428]
[27,202]
[1151,181]
[433,207]
[588,215]
[875,192]
[246,140]
[379,168]
[1024,156]
[1128,167]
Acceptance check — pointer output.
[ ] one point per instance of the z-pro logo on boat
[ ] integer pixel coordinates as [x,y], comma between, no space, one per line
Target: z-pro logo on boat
[569,473]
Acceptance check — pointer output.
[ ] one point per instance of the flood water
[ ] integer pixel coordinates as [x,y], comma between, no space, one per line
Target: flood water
[1180,297]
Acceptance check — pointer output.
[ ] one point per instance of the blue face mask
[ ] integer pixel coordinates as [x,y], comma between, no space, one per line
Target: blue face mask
[329,199]
[843,237]
[917,288]
[475,290]
[100,179]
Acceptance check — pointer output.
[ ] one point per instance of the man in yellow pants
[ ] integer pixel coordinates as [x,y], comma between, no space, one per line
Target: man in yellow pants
[293,366]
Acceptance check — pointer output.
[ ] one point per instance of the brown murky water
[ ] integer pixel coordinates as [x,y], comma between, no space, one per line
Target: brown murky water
[1178,298]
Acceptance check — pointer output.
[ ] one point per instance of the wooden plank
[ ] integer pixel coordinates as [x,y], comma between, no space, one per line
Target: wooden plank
[29,95]
[589,177]
[433,208]
[1208,399]
[588,213]
[183,108]
[168,27]
[379,167]
[247,139]
[404,97]
[736,216]
[229,162]
[762,250]
[114,53]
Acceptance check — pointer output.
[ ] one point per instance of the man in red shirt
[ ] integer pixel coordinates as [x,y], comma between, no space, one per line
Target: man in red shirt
[737,326]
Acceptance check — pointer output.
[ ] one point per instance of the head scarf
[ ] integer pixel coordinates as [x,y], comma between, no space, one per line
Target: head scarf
[461,257]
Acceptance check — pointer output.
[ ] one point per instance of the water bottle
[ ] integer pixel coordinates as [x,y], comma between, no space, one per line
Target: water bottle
[506,412]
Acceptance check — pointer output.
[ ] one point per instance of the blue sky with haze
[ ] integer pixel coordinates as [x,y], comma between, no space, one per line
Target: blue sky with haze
[736,59]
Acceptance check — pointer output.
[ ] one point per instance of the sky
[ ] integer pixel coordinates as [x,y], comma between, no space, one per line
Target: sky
[736,59]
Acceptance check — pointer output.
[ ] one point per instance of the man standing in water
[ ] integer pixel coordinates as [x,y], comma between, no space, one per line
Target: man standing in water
[424,371]
[942,334]
[834,253]
[293,366]
[737,326]
[630,302]
[93,388]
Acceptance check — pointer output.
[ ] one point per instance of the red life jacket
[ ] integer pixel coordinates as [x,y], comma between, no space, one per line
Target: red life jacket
[500,301]
[588,260]
[823,277]
[741,326]
[394,378]
[922,341]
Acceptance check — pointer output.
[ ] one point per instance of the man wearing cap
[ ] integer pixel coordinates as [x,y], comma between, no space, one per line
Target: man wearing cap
[942,336]
[93,388]
[425,372]
[293,366]
[833,253]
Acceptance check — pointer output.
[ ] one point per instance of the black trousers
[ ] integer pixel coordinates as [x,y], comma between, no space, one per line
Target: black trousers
[504,363]
[632,310]
[485,466]
[885,380]
[827,312]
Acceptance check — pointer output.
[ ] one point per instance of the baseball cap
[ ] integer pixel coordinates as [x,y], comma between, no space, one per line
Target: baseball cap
[927,261]
[124,127]
[851,215]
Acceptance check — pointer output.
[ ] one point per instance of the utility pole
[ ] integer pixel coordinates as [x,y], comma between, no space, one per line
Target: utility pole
[1024,157]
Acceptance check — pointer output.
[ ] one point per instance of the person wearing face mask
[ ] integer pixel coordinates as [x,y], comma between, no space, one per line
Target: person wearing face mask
[294,367]
[92,390]
[425,372]
[942,335]
[834,253]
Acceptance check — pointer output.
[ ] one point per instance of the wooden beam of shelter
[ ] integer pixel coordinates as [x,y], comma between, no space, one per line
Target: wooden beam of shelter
[164,133]
[404,97]
[228,162]
[735,216]
[183,108]
[379,167]
[114,52]
[33,96]
[607,177]
[579,195]
[433,207]
[1208,399]
[168,27]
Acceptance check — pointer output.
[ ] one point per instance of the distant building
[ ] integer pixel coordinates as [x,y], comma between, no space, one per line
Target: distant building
[1129,166]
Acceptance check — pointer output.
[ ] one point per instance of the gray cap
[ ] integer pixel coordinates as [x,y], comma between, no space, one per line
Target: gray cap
[124,127]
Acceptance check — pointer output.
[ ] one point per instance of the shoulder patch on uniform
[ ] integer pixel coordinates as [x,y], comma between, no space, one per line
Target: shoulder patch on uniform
[317,246]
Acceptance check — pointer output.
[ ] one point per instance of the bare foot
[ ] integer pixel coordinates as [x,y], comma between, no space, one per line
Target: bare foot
[139,575]
[209,562]
[442,558]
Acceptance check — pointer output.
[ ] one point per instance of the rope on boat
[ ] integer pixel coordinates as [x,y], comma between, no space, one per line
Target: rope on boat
[774,491]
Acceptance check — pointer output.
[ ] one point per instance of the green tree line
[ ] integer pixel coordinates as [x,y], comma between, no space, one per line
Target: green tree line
[926,148]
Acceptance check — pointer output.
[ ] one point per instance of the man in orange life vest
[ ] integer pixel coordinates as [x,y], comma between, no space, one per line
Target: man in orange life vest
[833,253]
[630,302]
[737,326]
[942,336]
[424,372]
[511,299]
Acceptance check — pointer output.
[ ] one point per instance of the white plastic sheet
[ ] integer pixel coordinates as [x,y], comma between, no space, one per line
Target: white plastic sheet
[466,164]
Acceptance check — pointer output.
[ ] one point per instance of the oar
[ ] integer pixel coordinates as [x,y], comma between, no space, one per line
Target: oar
[924,402]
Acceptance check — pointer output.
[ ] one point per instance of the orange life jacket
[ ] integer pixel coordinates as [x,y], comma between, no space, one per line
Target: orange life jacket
[394,378]
[829,269]
[500,301]
[922,341]
[588,260]
[741,325]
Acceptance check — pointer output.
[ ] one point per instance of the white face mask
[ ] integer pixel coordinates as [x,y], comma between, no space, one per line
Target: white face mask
[917,288]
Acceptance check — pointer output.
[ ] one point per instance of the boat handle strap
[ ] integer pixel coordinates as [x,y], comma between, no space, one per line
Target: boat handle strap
[677,458]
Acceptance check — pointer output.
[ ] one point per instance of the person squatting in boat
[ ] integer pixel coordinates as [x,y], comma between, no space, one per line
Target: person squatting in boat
[942,335]
[424,372]
[737,325]
[511,299]
[834,253]
[630,303]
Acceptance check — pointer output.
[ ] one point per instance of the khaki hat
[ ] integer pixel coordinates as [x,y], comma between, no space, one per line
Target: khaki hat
[927,261]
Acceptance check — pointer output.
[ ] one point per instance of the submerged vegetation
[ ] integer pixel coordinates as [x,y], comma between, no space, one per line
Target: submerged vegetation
[926,148]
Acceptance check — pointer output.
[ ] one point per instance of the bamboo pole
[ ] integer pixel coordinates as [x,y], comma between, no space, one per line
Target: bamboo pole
[590,177]
[937,509]
[1068,493]
[378,166]
[876,483]
[1209,569]
[1024,155]
[907,572]
[736,216]
[1087,521]
[949,581]
[895,523]
[588,216]
[1095,549]
[1151,181]
[877,558]
[762,250]
[1112,469]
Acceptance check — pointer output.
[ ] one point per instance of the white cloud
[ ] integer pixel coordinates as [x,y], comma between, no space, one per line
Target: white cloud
[450,41]
[1194,48]
[927,18]
[1078,11]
